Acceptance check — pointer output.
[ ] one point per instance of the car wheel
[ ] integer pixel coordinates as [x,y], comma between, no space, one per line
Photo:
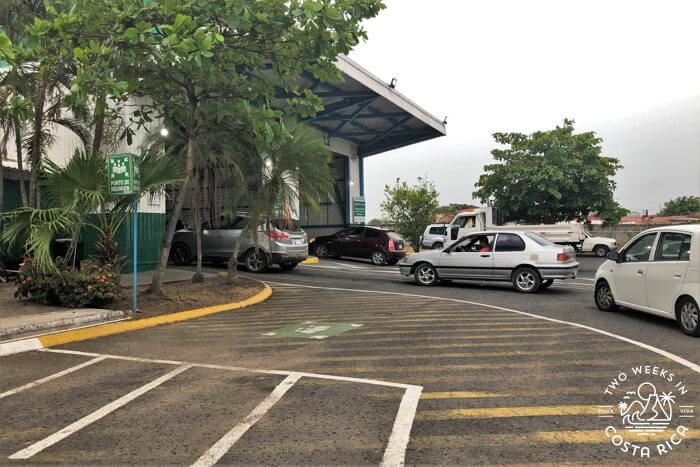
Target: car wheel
[526,280]
[437,246]
[601,251]
[256,261]
[546,283]
[603,296]
[288,266]
[181,255]
[426,275]
[378,258]
[687,314]
[321,251]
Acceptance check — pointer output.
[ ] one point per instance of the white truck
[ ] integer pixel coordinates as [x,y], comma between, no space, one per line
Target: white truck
[565,233]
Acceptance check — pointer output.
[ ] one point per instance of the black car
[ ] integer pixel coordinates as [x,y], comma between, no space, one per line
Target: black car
[381,246]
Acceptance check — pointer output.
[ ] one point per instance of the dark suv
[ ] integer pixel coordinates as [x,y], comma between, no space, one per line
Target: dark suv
[381,246]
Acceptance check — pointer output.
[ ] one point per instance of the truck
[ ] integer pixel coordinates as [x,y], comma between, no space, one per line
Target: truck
[572,233]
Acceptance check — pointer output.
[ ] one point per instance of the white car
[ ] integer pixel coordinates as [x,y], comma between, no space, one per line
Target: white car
[657,272]
[434,236]
[527,260]
[599,246]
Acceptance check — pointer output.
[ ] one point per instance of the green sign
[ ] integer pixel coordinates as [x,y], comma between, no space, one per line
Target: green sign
[358,210]
[312,330]
[123,172]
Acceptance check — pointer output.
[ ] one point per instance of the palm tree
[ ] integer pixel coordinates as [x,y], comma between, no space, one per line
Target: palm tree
[74,195]
[295,173]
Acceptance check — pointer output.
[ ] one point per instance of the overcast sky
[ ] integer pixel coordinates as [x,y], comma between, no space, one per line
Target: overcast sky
[629,70]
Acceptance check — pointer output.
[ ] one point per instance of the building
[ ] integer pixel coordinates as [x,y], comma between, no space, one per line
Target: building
[363,117]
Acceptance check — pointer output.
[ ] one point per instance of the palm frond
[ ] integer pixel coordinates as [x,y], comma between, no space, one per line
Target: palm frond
[78,127]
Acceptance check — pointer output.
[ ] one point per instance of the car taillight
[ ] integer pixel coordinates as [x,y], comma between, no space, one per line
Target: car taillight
[277,235]
[392,245]
[563,257]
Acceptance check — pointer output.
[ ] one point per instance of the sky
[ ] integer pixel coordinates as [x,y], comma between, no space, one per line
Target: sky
[628,70]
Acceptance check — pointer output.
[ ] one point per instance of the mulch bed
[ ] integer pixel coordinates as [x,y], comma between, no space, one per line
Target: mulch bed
[185,295]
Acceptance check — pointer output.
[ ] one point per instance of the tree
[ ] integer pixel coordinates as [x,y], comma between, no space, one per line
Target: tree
[222,60]
[551,176]
[411,208]
[681,206]
[454,208]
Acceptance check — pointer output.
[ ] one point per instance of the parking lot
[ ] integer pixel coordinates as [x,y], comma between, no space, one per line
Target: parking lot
[315,376]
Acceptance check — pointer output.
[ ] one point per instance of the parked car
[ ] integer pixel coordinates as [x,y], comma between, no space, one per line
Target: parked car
[380,246]
[527,260]
[657,272]
[599,246]
[284,243]
[434,236]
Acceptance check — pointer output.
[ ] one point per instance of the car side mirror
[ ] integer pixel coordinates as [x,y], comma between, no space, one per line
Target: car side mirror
[614,256]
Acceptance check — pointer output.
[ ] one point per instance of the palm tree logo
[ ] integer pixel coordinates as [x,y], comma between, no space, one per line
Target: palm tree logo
[645,410]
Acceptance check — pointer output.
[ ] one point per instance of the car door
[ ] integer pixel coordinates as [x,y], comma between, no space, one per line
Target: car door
[508,253]
[629,276]
[370,241]
[666,273]
[346,242]
[230,235]
[470,258]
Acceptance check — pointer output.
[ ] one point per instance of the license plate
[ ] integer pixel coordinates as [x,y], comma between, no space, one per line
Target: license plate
[298,241]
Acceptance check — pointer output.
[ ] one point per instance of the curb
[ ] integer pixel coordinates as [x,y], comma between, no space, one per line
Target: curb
[311,260]
[59,338]
[108,315]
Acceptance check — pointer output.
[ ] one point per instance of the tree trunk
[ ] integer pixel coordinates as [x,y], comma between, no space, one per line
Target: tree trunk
[197,221]
[35,152]
[159,274]
[232,264]
[20,168]
[99,124]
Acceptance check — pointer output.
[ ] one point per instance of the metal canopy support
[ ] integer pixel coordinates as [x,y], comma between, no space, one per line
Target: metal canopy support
[360,109]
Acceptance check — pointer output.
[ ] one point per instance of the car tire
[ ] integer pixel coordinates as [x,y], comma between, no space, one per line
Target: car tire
[603,297]
[321,251]
[601,251]
[526,280]
[378,258]
[425,275]
[688,316]
[547,283]
[437,246]
[181,255]
[288,266]
[255,261]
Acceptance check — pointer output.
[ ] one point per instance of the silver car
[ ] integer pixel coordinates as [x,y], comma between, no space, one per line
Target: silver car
[526,259]
[434,236]
[284,244]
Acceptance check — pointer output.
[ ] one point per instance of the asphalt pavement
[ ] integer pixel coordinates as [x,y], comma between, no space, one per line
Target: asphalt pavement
[386,373]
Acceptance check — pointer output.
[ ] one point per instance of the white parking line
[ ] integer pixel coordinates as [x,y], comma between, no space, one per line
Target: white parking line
[395,451]
[221,447]
[39,446]
[51,377]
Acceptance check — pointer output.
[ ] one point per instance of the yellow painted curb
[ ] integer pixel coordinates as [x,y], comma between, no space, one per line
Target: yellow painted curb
[311,260]
[132,325]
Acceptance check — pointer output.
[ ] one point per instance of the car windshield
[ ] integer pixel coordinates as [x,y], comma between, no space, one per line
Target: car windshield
[538,239]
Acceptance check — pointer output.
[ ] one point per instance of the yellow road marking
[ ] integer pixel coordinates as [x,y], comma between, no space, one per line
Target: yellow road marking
[545,437]
[51,340]
[352,358]
[507,412]
[310,260]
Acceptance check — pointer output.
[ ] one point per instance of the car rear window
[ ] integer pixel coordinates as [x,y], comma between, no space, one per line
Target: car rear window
[438,230]
[394,236]
[286,224]
[538,239]
[509,242]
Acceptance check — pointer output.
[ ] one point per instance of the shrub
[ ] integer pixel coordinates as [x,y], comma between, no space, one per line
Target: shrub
[92,286]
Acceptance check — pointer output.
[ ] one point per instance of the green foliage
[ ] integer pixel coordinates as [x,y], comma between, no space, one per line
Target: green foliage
[67,286]
[681,206]
[551,176]
[411,208]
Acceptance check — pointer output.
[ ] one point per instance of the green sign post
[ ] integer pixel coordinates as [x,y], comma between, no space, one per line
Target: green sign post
[358,210]
[125,180]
